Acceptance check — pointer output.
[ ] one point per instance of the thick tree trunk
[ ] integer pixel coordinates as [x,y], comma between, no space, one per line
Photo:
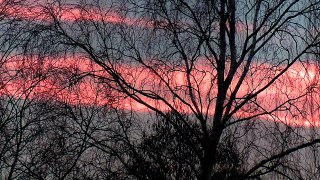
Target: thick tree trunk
[206,172]
[210,154]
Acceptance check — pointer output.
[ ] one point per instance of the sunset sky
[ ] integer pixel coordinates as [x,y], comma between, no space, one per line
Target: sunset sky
[50,78]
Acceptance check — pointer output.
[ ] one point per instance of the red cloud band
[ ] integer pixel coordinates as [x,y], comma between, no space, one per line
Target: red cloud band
[292,99]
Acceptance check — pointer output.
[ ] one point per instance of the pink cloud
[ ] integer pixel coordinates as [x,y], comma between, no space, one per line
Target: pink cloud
[50,79]
[297,81]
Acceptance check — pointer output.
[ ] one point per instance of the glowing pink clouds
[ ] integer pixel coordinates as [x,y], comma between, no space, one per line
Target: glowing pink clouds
[292,99]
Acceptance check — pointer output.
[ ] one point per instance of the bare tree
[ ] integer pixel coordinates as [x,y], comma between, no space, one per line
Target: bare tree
[226,87]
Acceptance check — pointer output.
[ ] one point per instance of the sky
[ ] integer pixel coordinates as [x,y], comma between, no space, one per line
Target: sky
[54,81]
[49,78]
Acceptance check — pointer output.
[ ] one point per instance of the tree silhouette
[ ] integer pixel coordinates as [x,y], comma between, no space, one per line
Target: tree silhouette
[229,88]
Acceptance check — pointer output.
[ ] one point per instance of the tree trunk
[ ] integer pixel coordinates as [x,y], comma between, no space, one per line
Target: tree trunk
[210,153]
[206,172]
